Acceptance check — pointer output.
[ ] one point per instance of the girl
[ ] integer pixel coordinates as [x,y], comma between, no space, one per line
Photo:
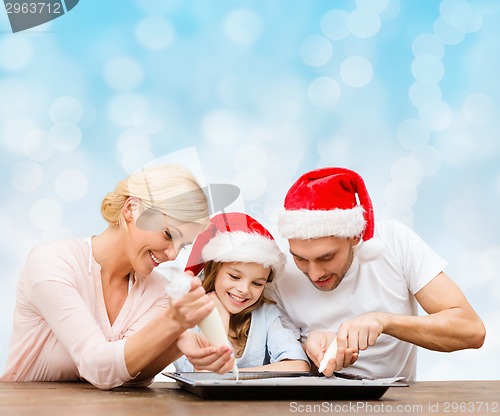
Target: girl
[238,257]
[94,308]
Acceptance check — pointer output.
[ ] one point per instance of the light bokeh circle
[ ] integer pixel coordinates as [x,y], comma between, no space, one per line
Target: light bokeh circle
[26,176]
[71,184]
[66,109]
[243,26]
[356,71]
[334,24]
[316,50]
[154,32]
[364,23]
[324,92]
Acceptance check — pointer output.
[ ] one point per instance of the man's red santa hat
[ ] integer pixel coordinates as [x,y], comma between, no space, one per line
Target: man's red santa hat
[235,237]
[324,202]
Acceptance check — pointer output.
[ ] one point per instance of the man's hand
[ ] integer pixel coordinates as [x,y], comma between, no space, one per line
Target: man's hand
[203,356]
[361,332]
[316,345]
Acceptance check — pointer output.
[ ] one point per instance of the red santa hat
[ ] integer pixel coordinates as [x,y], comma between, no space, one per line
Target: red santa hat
[330,202]
[235,237]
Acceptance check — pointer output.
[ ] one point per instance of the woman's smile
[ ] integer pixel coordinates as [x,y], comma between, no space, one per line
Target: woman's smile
[155,259]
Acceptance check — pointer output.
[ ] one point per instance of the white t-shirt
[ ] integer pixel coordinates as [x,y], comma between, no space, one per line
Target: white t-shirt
[386,284]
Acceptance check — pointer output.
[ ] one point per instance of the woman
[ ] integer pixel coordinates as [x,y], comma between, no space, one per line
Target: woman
[94,308]
[239,257]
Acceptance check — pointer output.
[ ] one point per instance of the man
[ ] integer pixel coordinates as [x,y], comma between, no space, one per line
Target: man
[362,283]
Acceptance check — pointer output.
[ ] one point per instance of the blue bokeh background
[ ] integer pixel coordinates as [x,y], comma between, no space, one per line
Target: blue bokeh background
[405,92]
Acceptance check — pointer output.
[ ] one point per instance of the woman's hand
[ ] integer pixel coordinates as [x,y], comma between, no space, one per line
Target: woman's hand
[203,356]
[191,308]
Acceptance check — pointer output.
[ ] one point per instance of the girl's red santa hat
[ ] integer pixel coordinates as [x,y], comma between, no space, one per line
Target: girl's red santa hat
[323,203]
[235,237]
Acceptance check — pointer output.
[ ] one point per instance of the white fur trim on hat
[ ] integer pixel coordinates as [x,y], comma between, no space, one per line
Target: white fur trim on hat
[305,224]
[244,247]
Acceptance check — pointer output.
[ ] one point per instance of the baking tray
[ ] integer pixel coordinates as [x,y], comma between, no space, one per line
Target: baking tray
[268,385]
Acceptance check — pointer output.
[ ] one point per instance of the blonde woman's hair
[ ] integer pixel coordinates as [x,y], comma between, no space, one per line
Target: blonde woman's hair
[168,188]
[239,323]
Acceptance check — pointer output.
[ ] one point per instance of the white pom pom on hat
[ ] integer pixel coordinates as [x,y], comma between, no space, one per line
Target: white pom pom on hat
[324,202]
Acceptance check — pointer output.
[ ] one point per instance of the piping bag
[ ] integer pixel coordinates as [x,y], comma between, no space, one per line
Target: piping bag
[330,353]
[211,326]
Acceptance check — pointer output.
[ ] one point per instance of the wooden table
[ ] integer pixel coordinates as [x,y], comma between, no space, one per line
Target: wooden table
[164,398]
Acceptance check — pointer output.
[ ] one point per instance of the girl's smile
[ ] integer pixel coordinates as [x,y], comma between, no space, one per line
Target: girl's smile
[236,299]
[240,285]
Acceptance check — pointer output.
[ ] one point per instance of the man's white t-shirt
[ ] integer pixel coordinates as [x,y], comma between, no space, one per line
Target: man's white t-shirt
[385,284]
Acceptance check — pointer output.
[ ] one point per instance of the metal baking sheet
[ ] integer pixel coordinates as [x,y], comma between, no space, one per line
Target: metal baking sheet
[266,385]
